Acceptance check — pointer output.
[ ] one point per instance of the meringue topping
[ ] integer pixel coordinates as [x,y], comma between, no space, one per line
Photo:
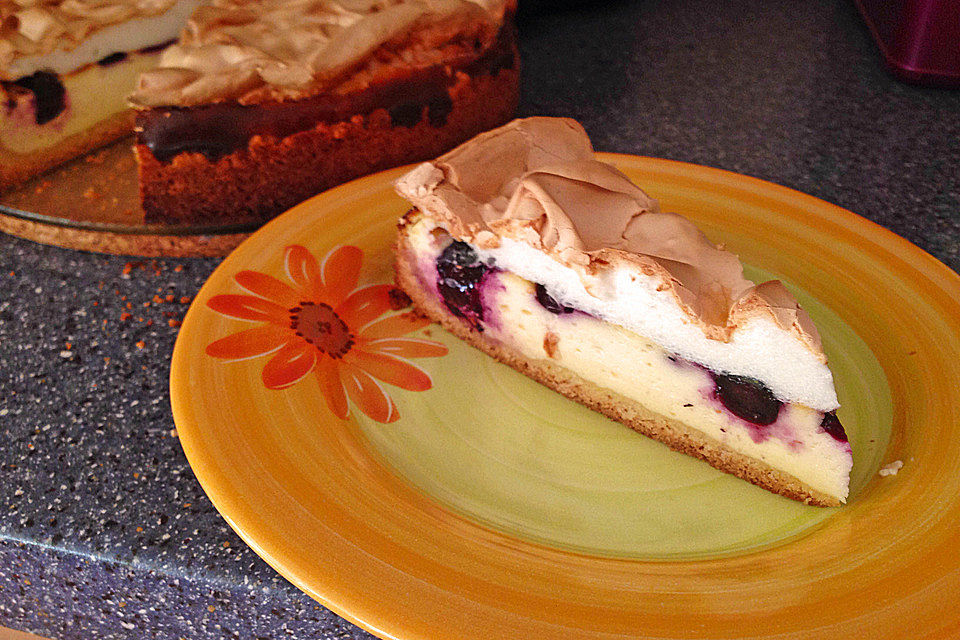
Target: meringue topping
[32,28]
[535,181]
[252,51]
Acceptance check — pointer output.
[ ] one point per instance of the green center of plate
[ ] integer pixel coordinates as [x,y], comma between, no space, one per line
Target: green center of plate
[500,449]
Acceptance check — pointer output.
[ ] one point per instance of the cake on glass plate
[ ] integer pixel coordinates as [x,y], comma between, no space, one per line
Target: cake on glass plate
[525,246]
[66,67]
[263,103]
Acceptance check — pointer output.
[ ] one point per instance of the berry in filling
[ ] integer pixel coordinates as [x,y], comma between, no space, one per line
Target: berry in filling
[550,303]
[831,424]
[747,398]
[459,276]
[113,58]
[48,93]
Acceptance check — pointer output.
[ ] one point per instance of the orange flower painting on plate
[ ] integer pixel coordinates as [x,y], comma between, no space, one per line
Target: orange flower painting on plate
[322,323]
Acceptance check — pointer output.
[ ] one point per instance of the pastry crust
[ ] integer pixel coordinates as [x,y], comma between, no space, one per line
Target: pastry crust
[673,433]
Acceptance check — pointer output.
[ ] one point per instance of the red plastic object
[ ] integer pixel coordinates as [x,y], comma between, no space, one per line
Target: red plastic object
[919,39]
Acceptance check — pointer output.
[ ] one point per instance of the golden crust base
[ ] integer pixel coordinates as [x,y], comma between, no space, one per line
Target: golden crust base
[676,435]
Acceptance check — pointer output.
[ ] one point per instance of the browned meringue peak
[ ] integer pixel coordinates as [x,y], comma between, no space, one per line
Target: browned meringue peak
[257,50]
[772,299]
[535,181]
[38,27]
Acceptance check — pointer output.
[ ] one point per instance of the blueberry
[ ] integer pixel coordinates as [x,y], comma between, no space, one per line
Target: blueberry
[459,276]
[831,424]
[113,58]
[48,93]
[550,303]
[747,398]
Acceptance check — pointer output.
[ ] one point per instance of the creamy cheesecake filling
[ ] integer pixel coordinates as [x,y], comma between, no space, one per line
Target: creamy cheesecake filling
[640,304]
[526,318]
[90,95]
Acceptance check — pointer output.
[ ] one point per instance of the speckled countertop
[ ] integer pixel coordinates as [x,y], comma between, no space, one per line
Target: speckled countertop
[105,532]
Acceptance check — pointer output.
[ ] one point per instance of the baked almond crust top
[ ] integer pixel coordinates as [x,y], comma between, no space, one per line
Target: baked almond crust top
[253,51]
[38,27]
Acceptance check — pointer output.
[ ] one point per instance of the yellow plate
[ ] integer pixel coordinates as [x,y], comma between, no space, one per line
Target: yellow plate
[463,501]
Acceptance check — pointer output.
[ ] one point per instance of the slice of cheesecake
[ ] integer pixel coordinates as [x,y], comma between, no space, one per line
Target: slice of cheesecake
[66,69]
[525,246]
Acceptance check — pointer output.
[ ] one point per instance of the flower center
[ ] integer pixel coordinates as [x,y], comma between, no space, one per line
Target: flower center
[316,323]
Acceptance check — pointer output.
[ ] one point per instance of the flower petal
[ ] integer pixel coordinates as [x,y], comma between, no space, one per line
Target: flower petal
[250,343]
[249,308]
[394,326]
[260,284]
[304,271]
[289,366]
[328,377]
[364,305]
[391,370]
[406,347]
[367,394]
[341,268]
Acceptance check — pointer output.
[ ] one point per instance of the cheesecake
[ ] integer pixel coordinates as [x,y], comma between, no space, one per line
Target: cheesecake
[525,246]
[66,68]
[263,103]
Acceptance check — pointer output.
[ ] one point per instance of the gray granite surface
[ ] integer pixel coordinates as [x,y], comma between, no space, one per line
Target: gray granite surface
[105,532]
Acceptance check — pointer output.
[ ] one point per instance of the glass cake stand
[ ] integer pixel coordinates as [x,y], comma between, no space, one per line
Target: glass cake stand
[92,204]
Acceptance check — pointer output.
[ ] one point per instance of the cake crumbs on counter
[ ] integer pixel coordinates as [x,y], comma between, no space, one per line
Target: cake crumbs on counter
[891,469]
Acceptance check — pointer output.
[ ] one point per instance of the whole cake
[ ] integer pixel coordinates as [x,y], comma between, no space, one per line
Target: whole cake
[526,247]
[263,103]
[66,68]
